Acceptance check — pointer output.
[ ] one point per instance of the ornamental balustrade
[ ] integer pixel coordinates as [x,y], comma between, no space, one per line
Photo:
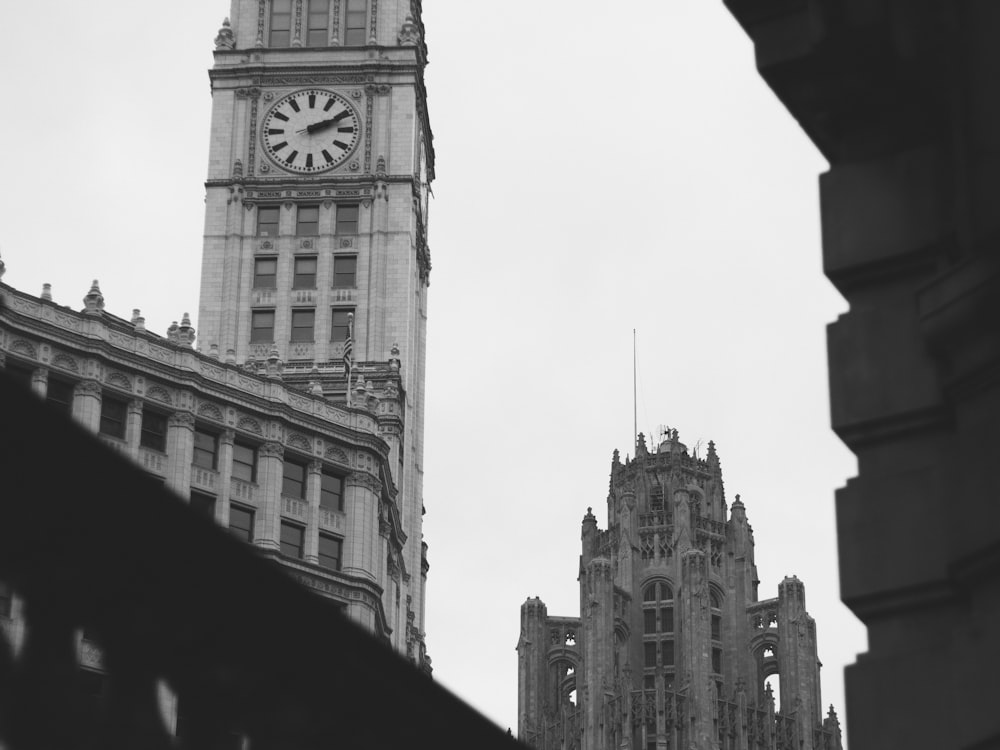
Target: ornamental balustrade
[176,606]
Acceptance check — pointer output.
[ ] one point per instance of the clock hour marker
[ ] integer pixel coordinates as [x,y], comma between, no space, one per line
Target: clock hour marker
[294,105]
[275,131]
[309,161]
[291,156]
[279,146]
[326,155]
[312,101]
[340,144]
[344,130]
[280,116]
[329,103]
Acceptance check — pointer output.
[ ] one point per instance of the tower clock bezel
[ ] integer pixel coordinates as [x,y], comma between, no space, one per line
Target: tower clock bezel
[328,147]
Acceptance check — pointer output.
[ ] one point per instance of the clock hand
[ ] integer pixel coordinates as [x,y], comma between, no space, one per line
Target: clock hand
[323,124]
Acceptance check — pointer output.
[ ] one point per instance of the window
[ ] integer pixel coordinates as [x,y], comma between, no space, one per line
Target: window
[339,327]
[667,653]
[307,221]
[267,221]
[265,273]
[330,551]
[331,496]
[6,600]
[319,23]
[262,326]
[281,23]
[21,375]
[60,395]
[241,522]
[303,323]
[154,431]
[716,628]
[293,483]
[347,219]
[305,273]
[355,23]
[649,650]
[113,415]
[244,462]
[292,540]
[203,503]
[345,271]
[717,660]
[649,621]
[206,449]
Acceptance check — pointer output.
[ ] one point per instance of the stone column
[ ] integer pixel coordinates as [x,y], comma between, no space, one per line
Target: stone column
[87,404]
[180,450]
[270,469]
[40,382]
[361,500]
[313,488]
[693,622]
[133,427]
[532,647]
[225,467]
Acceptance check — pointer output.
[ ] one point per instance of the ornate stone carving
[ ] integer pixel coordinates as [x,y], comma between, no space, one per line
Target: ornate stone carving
[301,442]
[271,450]
[297,36]
[20,346]
[87,388]
[118,380]
[373,27]
[250,424]
[261,16]
[409,33]
[333,453]
[159,394]
[211,411]
[364,480]
[184,419]
[225,38]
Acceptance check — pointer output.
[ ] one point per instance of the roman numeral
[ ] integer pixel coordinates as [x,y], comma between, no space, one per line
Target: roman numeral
[340,144]
[344,130]
[291,157]
[275,131]
[312,101]
[294,105]
[326,155]
[279,146]
[309,161]
[280,116]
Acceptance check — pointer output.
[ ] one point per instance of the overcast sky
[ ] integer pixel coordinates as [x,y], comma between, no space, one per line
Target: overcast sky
[598,171]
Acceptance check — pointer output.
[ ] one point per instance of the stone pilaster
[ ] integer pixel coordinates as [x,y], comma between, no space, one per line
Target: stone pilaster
[40,382]
[270,469]
[694,620]
[133,427]
[800,689]
[180,450]
[531,669]
[313,488]
[361,503]
[597,620]
[87,404]
[225,466]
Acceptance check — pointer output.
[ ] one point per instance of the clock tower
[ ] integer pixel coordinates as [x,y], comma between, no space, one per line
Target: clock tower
[315,263]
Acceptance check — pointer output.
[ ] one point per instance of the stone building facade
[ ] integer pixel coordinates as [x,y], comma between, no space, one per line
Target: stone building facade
[672,648]
[297,419]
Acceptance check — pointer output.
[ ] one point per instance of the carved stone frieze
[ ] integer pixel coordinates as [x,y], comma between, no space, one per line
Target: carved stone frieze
[271,449]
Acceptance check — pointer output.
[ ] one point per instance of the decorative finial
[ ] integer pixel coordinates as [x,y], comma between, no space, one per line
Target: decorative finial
[94,301]
[47,292]
[315,387]
[185,333]
[136,314]
[172,332]
[225,38]
[230,356]
[409,33]
[213,351]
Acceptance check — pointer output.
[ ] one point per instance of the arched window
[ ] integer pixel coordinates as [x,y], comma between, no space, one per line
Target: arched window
[658,633]
[715,600]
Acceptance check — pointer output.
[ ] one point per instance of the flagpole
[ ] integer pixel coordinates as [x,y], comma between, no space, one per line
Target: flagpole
[635,408]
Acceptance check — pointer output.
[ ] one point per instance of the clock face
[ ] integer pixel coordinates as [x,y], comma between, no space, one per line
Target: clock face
[310,131]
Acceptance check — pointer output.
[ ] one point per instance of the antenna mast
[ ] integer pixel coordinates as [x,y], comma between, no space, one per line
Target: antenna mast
[635,408]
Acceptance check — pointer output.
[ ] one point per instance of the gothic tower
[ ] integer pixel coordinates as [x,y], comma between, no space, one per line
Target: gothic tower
[320,164]
[672,648]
